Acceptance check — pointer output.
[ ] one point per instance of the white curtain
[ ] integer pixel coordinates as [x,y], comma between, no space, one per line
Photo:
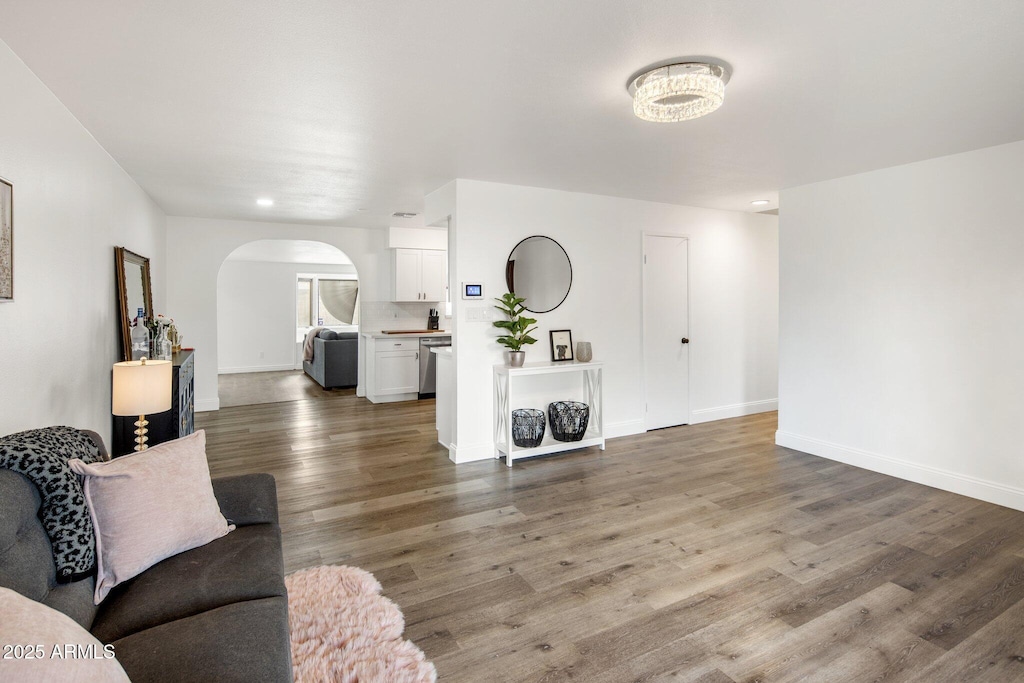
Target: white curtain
[340,298]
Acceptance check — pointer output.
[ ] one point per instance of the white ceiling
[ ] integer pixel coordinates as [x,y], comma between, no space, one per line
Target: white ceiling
[290,251]
[329,107]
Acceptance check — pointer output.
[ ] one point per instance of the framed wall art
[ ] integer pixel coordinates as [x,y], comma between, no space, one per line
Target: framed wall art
[6,241]
[561,345]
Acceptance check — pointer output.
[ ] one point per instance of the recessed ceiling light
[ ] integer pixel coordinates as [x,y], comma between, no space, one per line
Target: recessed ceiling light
[678,92]
[760,202]
[265,201]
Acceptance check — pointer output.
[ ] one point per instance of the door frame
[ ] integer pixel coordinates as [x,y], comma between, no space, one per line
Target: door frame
[644,234]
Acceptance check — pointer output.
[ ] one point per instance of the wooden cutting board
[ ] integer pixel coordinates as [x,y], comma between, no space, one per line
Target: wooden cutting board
[413,332]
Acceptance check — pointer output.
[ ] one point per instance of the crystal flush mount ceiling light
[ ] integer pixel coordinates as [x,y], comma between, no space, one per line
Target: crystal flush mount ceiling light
[678,92]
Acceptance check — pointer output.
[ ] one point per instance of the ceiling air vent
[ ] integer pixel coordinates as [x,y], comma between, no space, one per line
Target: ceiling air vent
[403,214]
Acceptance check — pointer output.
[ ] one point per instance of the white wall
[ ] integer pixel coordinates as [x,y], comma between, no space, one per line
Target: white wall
[72,205]
[902,318]
[733,297]
[256,327]
[196,248]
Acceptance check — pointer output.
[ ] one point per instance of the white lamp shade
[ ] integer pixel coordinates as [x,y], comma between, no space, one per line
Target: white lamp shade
[141,388]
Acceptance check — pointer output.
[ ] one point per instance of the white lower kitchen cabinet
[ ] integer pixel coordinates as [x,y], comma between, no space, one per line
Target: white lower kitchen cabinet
[397,372]
[392,369]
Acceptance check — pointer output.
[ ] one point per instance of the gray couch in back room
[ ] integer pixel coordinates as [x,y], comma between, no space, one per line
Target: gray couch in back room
[214,613]
[335,359]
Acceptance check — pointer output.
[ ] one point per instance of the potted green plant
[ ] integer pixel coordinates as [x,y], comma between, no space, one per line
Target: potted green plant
[517,328]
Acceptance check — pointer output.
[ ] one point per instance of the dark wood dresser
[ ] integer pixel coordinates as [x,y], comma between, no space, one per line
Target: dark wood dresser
[172,424]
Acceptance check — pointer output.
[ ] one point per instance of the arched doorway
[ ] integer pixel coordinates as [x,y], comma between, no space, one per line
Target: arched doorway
[270,293]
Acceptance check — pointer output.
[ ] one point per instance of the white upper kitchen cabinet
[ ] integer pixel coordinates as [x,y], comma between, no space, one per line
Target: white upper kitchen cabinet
[419,275]
[434,275]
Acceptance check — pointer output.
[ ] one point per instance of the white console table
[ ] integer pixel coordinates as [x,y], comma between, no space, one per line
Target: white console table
[522,387]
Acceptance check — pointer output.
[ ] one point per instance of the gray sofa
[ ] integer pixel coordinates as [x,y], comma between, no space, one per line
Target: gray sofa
[215,613]
[335,359]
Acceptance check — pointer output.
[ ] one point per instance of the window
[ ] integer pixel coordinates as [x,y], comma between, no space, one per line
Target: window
[326,300]
[303,302]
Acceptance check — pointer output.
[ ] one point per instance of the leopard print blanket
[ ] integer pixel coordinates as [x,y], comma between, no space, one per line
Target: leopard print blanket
[42,455]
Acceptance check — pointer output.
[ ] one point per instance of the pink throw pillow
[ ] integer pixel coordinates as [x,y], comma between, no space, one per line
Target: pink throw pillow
[149,506]
[42,644]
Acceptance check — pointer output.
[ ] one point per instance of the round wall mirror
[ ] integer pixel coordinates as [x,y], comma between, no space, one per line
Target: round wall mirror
[539,270]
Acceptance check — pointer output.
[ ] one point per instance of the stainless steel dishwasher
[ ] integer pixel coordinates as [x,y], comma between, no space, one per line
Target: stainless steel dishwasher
[428,364]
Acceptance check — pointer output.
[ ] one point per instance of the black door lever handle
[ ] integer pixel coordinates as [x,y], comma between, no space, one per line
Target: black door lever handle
[685,340]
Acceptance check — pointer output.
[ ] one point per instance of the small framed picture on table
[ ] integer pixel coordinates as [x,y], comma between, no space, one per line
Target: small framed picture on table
[561,345]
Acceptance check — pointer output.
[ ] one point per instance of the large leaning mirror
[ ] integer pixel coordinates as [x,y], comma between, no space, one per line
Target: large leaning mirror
[134,291]
[539,270]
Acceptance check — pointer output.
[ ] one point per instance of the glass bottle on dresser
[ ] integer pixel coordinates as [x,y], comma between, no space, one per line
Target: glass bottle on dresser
[162,347]
[140,337]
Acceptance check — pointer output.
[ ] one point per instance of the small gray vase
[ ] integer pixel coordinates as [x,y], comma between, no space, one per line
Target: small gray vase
[516,359]
[584,353]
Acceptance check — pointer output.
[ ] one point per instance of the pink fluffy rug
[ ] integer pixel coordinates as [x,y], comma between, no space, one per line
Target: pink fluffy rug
[344,631]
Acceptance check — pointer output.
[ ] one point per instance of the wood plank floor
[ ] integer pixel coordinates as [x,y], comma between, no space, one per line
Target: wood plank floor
[251,388]
[701,553]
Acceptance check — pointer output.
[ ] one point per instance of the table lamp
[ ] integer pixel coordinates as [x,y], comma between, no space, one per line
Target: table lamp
[141,387]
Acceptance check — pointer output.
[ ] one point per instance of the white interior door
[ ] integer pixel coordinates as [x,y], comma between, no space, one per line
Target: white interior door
[666,331]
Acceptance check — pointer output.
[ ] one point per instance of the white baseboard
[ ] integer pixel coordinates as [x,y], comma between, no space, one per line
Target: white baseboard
[460,454]
[207,405]
[734,410]
[256,368]
[616,429]
[989,491]
[391,398]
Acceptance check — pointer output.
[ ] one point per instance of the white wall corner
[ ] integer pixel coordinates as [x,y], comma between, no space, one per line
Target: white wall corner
[989,491]
[734,410]
[207,405]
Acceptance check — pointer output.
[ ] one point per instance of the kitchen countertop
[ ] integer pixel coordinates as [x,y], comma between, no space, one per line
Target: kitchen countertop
[382,335]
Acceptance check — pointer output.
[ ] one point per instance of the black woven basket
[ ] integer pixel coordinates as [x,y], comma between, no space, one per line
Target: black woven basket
[568,420]
[527,427]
